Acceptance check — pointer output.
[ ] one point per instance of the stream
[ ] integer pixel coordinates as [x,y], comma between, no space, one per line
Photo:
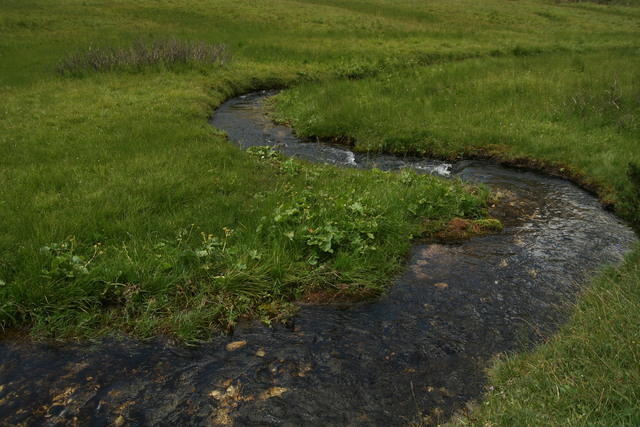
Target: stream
[418,353]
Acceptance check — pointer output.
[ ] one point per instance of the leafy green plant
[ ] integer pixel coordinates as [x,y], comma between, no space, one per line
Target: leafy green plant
[63,262]
[291,167]
[264,152]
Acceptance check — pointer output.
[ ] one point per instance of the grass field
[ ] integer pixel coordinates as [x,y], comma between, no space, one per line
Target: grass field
[121,209]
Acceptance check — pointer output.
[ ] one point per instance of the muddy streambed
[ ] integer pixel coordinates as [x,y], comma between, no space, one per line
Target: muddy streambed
[419,352]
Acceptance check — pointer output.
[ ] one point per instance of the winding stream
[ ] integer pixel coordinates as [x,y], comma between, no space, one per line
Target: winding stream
[417,352]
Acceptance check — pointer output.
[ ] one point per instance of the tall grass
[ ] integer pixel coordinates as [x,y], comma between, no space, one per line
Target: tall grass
[168,53]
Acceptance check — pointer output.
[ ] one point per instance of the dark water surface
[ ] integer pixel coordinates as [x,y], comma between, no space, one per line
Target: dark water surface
[417,352]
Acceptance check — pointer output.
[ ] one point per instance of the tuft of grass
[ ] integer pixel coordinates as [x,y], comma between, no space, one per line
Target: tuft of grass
[166,53]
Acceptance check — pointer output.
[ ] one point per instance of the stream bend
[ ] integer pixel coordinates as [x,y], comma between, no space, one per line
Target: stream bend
[419,351]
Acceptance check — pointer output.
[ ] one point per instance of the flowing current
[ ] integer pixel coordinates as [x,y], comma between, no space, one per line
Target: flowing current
[417,354]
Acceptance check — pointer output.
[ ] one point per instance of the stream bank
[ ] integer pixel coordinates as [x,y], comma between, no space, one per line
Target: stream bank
[418,353]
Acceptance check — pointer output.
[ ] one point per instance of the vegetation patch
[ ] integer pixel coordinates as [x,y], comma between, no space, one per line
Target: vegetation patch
[319,231]
[461,229]
[164,53]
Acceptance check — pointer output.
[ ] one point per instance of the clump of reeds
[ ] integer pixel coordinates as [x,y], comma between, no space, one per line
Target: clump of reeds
[168,53]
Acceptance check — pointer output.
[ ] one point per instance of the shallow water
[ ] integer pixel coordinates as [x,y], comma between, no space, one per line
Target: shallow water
[417,352]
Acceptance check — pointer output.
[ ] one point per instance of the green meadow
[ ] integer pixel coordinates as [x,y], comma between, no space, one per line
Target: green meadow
[123,211]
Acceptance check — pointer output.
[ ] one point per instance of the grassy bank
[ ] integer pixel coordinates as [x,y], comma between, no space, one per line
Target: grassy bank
[577,113]
[123,209]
